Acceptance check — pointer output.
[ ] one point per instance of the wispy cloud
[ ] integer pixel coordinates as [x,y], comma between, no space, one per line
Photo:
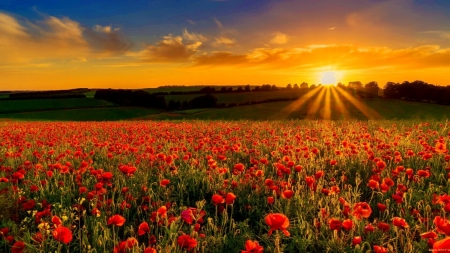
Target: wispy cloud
[169,49]
[279,38]
[218,23]
[224,41]
[194,36]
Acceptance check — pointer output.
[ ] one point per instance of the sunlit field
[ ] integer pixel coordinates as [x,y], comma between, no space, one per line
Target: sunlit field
[219,186]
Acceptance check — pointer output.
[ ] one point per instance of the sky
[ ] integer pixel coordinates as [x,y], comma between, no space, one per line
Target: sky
[56,44]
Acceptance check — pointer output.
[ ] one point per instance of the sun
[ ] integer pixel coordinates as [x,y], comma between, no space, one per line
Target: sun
[328,78]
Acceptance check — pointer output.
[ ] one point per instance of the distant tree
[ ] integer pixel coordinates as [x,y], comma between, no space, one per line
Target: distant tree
[247,88]
[313,86]
[304,85]
[223,89]
[371,89]
[391,90]
[289,86]
[185,105]
[355,85]
[296,86]
[239,89]
[230,89]
[206,101]
[274,87]
[257,88]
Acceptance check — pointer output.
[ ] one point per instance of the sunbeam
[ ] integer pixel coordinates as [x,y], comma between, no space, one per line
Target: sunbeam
[340,105]
[368,112]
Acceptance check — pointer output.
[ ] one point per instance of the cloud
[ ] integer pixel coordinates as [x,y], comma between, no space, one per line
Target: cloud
[224,41]
[190,22]
[194,36]
[55,38]
[279,38]
[170,49]
[348,57]
[442,34]
[218,23]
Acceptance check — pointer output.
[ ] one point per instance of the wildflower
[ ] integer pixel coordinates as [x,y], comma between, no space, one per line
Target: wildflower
[229,199]
[62,234]
[347,224]
[442,225]
[356,240]
[18,247]
[399,222]
[334,224]
[361,209]
[442,245]
[186,241]
[143,228]
[217,199]
[164,182]
[277,221]
[117,220]
[252,247]
[379,249]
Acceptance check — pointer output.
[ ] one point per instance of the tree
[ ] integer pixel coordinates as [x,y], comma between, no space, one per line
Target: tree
[296,86]
[304,85]
[206,101]
[239,89]
[371,89]
[289,86]
[247,88]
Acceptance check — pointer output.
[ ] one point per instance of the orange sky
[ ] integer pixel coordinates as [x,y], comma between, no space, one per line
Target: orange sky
[276,43]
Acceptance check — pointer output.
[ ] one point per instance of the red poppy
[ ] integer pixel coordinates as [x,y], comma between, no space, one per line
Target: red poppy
[62,234]
[117,220]
[356,240]
[379,249]
[277,221]
[18,247]
[442,245]
[287,194]
[334,224]
[381,207]
[428,235]
[383,226]
[164,182]
[229,199]
[150,250]
[369,228]
[361,209]
[373,184]
[217,199]
[270,200]
[347,224]
[143,228]
[252,247]
[399,222]
[186,241]
[442,225]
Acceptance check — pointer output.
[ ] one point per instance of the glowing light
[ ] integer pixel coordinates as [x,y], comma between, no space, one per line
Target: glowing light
[328,78]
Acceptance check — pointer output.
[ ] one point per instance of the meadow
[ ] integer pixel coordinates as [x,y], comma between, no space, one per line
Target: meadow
[224,186]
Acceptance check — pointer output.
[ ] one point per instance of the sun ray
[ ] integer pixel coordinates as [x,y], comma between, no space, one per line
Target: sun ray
[315,105]
[326,110]
[368,112]
[296,105]
[339,104]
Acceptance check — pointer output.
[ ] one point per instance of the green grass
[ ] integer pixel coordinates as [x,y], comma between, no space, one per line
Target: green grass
[241,97]
[386,109]
[91,114]
[50,104]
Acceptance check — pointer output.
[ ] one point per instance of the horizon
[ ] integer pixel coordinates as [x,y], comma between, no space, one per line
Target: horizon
[115,44]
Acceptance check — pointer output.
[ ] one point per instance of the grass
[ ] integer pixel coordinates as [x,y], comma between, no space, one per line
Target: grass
[91,114]
[241,97]
[387,109]
[7,106]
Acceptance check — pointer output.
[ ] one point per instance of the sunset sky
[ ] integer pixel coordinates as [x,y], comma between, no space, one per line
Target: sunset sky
[55,44]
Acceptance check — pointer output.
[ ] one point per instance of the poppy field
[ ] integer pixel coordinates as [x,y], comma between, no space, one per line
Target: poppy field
[225,186]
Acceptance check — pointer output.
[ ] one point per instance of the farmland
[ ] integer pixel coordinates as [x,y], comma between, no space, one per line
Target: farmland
[221,186]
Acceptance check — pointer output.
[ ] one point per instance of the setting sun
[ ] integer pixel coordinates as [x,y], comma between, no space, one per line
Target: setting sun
[328,78]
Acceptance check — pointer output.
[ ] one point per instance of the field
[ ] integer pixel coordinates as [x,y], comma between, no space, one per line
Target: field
[9,106]
[222,186]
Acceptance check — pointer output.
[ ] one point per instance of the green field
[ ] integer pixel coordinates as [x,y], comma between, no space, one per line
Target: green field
[90,114]
[7,106]
[380,109]
[241,97]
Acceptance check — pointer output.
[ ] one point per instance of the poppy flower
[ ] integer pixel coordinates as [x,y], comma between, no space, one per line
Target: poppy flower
[287,194]
[373,184]
[356,240]
[428,235]
[277,221]
[442,245]
[252,247]
[117,220]
[217,199]
[18,247]
[347,224]
[143,228]
[383,226]
[187,215]
[334,224]
[361,209]
[164,182]
[186,241]
[270,200]
[399,222]
[379,249]
[369,228]
[229,199]
[62,234]
[442,225]
[150,250]
[381,207]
